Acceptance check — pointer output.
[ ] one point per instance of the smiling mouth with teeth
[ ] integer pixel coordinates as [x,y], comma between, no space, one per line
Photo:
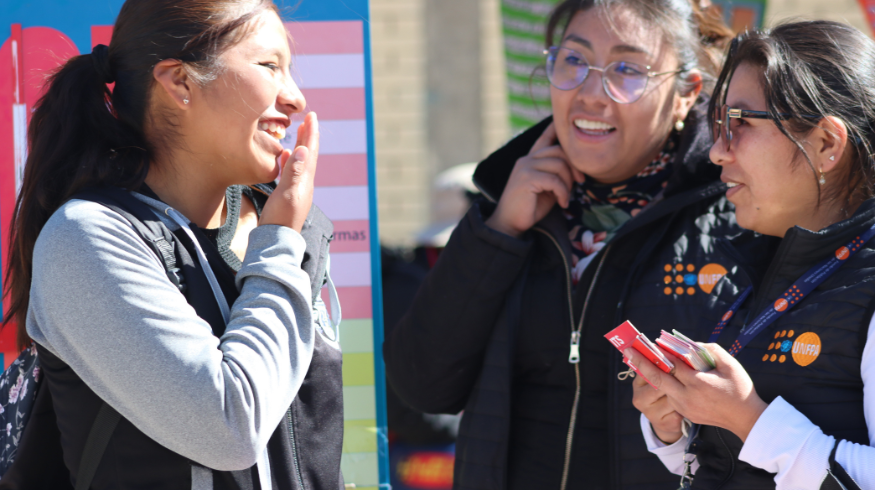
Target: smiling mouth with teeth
[593,127]
[274,129]
[731,184]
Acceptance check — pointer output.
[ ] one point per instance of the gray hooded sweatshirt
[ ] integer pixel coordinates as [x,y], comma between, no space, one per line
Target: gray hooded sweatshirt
[101,302]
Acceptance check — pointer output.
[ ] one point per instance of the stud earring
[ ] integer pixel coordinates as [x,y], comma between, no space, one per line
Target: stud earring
[185,101]
[679,125]
[832,158]
[822,179]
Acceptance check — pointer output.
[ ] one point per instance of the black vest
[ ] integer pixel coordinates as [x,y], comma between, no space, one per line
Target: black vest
[810,356]
[314,421]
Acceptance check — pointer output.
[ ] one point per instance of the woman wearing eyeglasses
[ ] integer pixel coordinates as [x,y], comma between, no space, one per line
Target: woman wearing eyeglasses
[791,401]
[604,212]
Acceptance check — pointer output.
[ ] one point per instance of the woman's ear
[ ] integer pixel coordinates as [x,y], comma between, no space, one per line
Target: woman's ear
[174,82]
[828,142]
[689,93]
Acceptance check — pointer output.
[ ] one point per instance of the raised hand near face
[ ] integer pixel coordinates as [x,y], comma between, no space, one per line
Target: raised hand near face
[723,397]
[538,181]
[290,202]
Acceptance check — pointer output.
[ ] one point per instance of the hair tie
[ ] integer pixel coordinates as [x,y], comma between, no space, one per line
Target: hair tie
[100,58]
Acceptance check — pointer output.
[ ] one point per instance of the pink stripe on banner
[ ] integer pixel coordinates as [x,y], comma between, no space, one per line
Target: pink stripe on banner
[326,37]
[355,303]
[336,103]
[351,269]
[351,236]
[342,170]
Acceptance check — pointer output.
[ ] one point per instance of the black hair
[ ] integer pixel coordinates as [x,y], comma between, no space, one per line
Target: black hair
[813,69]
[82,134]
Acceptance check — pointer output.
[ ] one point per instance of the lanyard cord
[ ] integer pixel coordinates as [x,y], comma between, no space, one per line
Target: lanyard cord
[205,265]
[791,297]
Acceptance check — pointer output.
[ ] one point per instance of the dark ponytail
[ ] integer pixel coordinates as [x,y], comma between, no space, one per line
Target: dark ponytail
[82,135]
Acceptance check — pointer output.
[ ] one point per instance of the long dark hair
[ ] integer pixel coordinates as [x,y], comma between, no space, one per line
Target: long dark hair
[81,134]
[698,35]
[815,68]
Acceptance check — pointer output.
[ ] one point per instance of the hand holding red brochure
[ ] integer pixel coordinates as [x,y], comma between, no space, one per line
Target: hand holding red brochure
[691,353]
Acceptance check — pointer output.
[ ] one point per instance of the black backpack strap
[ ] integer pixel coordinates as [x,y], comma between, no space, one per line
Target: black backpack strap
[98,438]
[145,223]
[160,240]
[836,476]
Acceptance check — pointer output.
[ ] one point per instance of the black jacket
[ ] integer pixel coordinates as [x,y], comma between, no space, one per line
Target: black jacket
[489,331]
[304,450]
[824,383]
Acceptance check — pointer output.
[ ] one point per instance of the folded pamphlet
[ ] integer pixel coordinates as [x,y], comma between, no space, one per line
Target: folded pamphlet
[691,353]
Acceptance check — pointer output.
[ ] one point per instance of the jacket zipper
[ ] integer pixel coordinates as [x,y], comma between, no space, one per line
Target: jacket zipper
[294,448]
[574,349]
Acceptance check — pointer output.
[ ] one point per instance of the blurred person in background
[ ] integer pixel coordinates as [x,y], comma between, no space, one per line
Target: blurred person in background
[422,445]
[604,212]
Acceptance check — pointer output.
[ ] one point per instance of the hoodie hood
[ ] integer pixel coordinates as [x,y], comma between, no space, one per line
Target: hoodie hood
[691,168]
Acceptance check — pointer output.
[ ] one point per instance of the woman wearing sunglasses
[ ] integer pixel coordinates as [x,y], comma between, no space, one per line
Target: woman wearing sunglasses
[790,402]
[603,212]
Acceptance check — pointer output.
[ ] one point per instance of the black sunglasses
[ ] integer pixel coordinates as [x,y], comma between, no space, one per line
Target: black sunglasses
[721,126]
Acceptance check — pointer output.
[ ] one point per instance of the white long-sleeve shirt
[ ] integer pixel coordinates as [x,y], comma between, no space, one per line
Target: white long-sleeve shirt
[785,442]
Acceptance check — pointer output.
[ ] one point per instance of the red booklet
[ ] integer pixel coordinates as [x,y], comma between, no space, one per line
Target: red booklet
[626,335]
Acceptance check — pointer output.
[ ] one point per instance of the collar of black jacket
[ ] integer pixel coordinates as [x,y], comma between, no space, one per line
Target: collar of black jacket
[802,246]
[692,166]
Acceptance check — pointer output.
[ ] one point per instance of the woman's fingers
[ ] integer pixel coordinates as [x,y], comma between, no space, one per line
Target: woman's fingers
[549,182]
[554,166]
[538,181]
[291,201]
[311,137]
[547,138]
[663,381]
[556,152]
[654,404]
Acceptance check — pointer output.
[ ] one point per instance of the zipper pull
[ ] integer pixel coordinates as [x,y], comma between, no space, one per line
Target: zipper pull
[574,355]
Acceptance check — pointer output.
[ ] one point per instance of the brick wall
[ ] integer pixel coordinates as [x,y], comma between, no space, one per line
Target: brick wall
[398,41]
[405,164]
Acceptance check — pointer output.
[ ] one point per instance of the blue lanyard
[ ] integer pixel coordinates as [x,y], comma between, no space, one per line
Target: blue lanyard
[793,295]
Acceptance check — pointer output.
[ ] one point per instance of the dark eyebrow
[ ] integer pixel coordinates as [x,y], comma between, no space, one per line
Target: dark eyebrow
[625,48]
[740,104]
[620,48]
[579,40]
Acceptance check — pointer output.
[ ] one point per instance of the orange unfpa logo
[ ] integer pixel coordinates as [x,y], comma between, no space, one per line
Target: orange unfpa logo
[843,253]
[806,348]
[709,275]
[781,304]
[680,279]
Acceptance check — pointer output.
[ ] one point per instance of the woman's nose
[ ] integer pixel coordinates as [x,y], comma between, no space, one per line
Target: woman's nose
[290,99]
[592,88]
[718,153]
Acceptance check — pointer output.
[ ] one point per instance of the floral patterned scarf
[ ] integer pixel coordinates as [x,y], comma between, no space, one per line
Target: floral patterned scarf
[596,211]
